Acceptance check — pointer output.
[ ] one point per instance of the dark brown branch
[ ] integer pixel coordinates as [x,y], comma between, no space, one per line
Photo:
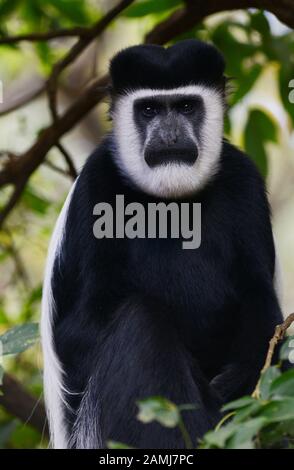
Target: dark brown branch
[18,402]
[186,18]
[46,36]
[78,48]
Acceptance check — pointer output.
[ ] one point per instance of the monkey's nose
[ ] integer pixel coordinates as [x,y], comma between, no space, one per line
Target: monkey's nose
[164,155]
[169,134]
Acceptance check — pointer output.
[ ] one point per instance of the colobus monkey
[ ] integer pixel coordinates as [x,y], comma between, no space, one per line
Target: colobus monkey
[128,318]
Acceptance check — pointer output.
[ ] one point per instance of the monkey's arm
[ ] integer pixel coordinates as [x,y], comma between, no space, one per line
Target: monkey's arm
[257,318]
[259,311]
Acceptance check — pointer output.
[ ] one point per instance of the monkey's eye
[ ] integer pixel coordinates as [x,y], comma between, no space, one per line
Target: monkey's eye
[149,110]
[186,106]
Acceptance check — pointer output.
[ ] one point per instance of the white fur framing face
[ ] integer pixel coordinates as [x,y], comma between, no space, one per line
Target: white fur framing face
[174,179]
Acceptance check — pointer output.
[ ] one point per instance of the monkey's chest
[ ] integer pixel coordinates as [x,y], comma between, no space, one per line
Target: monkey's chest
[198,285]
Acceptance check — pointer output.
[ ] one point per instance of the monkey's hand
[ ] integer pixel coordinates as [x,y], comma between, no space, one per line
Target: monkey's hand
[235,380]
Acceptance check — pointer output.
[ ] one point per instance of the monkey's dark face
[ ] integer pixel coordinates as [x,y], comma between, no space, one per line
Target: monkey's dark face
[169,141]
[169,128]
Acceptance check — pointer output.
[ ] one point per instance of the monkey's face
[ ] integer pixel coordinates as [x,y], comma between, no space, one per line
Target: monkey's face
[169,141]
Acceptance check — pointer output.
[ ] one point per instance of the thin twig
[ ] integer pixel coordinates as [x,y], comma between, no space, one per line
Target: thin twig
[224,420]
[280,332]
[57,169]
[71,167]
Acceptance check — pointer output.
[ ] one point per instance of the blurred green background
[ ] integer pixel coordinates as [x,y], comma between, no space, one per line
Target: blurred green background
[259,50]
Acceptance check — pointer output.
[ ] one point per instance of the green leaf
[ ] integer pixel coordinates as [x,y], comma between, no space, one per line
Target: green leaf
[35,202]
[117,445]
[240,403]
[278,410]
[276,435]
[74,10]
[19,338]
[159,409]
[266,381]
[218,438]
[245,433]
[32,12]
[259,130]
[283,386]
[260,23]
[1,375]
[148,7]
[287,350]
[7,7]
[234,51]
[45,55]
[246,82]
[247,411]
[25,437]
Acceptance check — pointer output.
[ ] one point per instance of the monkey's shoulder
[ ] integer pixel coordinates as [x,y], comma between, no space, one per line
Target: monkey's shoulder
[247,205]
[239,168]
[241,181]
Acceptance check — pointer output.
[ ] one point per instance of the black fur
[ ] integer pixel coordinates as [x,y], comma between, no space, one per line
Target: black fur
[144,317]
[150,66]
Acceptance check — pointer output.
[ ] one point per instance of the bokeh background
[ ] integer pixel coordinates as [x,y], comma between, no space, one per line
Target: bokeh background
[38,162]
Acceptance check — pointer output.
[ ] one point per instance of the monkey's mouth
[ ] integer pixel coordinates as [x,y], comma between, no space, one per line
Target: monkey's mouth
[184,156]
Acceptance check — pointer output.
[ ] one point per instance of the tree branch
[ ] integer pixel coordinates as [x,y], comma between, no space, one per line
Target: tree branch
[46,36]
[186,18]
[280,332]
[18,171]
[18,402]
[78,48]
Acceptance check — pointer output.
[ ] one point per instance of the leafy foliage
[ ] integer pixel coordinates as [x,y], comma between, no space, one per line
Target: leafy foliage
[259,130]
[252,423]
[159,409]
[247,423]
[19,338]
[151,7]
[264,422]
